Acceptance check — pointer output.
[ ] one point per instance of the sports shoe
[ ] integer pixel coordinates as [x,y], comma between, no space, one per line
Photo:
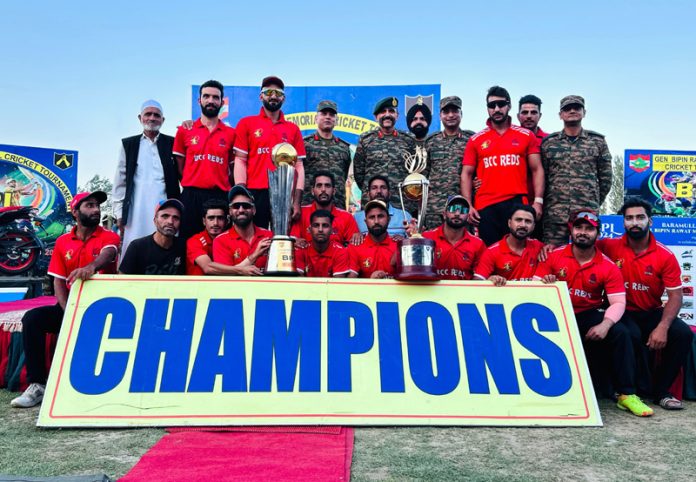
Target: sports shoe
[31,397]
[635,405]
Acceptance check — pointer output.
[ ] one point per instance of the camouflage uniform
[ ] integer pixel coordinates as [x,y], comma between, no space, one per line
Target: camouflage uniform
[578,175]
[445,155]
[331,155]
[379,153]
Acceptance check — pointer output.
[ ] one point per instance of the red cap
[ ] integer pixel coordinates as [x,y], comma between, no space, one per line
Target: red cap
[100,196]
[586,215]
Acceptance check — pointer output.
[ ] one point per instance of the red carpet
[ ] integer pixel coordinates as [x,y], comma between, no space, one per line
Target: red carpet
[248,453]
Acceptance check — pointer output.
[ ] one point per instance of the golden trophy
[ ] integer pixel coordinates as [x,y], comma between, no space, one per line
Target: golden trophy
[281,185]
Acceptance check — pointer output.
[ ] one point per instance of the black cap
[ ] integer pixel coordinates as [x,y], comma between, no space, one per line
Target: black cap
[237,190]
[272,80]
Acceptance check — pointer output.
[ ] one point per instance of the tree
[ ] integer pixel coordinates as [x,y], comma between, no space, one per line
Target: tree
[99,183]
[615,198]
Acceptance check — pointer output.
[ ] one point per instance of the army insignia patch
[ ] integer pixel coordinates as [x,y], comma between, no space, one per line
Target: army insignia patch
[62,160]
[258,132]
[639,162]
[394,102]
[426,100]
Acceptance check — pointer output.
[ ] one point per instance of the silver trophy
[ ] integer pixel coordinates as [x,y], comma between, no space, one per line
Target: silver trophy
[415,255]
[281,185]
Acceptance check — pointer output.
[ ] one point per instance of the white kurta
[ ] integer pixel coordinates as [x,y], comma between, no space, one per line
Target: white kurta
[148,190]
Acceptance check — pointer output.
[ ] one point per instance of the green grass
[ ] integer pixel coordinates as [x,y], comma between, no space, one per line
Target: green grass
[626,448]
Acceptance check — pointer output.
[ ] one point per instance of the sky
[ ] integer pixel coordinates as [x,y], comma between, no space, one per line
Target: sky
[73,74]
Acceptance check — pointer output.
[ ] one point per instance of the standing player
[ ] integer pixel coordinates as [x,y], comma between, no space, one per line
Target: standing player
[204,157]
[515,257]
[648,268]
[500,156]
[322,258]
[373,257]
[457,252]
[593,280]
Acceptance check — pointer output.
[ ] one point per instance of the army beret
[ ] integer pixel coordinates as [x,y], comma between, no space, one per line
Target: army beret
[572,99]
[327,105]
[450,100]
[384,103]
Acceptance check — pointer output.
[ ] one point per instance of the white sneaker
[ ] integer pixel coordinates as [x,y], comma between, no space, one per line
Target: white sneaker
[31,397]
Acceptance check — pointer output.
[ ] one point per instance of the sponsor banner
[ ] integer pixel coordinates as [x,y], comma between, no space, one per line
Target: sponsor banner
[145,351]
[355,105]
[679,235]
[665,179]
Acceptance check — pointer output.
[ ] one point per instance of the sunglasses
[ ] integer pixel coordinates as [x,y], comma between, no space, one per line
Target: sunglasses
[241,205]
[570,107]
[457,208]
[497,103]
[587,216]
[272,92]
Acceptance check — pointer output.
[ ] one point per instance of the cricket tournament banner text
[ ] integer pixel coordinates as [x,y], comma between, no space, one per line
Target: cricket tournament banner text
[148,351]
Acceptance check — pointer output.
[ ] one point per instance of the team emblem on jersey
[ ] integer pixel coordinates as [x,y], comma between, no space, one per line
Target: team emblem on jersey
[177,261]
[466,257]
[237,253]
[223,143]
[649,270]
[563,272]
[284,137]
[619,263]
[515,142]
[68,254]
[438,253]
[194,140]
[507,266]
[592,279]
[367,263]
[485,145]
[258,132]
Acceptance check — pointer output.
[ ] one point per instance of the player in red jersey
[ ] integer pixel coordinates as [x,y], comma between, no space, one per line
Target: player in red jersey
[457,252]
[648,268]
[323,189]
[322,257]
[515,257]
[593,281]
[373,257]
[500,156]
[204,154]
[256,137]
[244,244]
[87,249]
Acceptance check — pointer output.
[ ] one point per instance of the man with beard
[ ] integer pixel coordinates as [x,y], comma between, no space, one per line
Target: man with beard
[418,119]
[500,155]
[373,257]
[445,151]
[577,163]
[457,252]
[244,244]
[162,252]
[648,268]
[378,188]
[343,225]
[593,281]
[256,137]
[87,249]
[145,174]
[326,152]
[381,151]
[204,156]
[515,257]
[322,258]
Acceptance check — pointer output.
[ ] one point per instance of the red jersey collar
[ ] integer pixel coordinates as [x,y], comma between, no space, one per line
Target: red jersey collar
[235,235]
[329,251]
[652,244]
[508,121]
[206,237]
[505,247]
[333,208]
[280,119]
[540,133]
[568,253]
[198,124]
[387,241]
[96,233]
[440,231]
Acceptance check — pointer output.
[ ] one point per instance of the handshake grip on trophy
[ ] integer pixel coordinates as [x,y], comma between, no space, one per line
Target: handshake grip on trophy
[415,255]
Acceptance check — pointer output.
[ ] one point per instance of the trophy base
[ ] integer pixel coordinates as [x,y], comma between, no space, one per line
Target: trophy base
[281,257]
[415,260]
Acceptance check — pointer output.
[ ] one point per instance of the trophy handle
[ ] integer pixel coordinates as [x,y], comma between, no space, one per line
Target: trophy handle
[401,198]
[425,187]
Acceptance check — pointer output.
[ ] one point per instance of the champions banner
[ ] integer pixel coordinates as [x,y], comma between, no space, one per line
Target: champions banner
[147,351]
[665,179]
[355,105]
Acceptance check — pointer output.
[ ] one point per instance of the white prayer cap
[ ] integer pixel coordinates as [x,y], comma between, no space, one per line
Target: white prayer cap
[151,103]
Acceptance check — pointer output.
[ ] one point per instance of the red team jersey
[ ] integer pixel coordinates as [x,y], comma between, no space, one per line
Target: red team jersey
[231,249]
[344,225]
[500,260]
[455,261]
[646,275]
[335,260]
[500,162]
[70,252]
[589,284]
[208,155]
[371,256]
[200,244]
[256,137]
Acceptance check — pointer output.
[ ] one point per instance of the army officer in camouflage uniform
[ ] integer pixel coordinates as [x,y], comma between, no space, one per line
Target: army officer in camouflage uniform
[326,152]
[445,152]
[578,170]
[381,151]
